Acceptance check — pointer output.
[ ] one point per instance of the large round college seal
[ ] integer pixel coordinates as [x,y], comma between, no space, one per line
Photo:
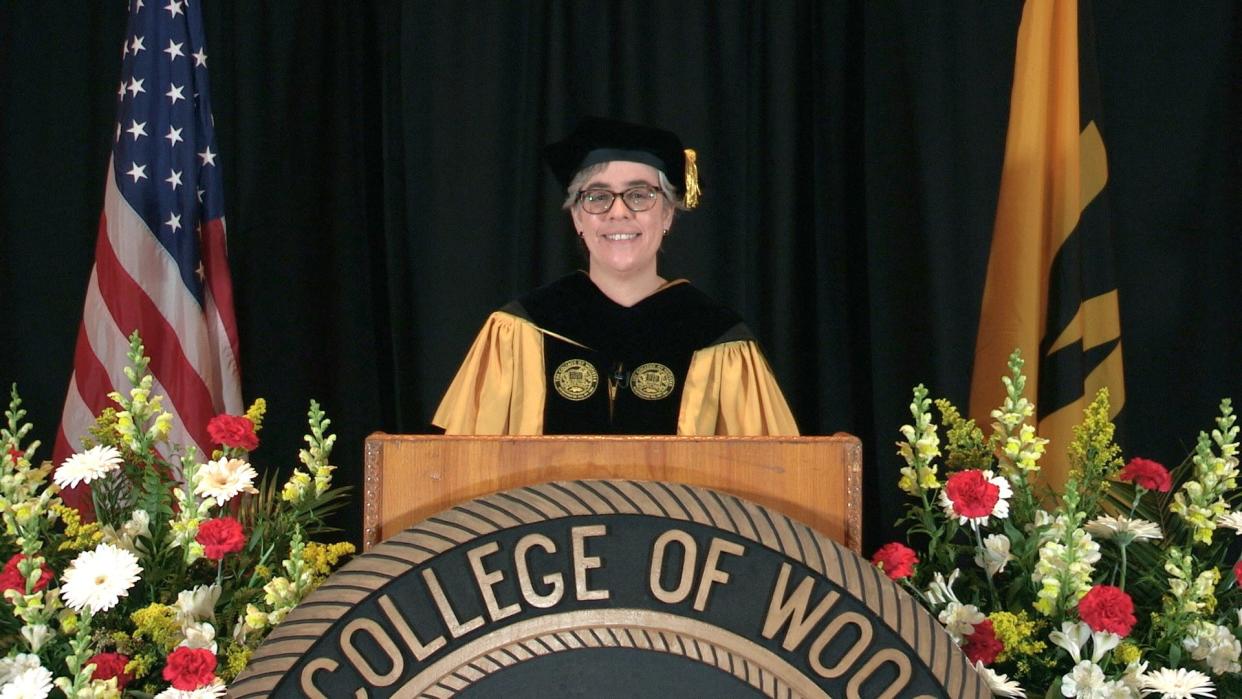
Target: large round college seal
[575,379]
[652,381]
[609,589]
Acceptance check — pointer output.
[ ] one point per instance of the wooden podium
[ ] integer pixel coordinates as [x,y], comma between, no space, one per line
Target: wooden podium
[814,480]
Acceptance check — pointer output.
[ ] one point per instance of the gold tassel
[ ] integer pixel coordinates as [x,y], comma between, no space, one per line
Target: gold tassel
[692,180]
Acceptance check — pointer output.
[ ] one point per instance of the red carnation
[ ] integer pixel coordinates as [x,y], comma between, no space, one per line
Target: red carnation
[233,431]
[896,560]
[1237,572]
[109,665]
[971,493]
[220,536]
[982,645]
[190,668]
[1147,474]
[11,578]
[1107,608]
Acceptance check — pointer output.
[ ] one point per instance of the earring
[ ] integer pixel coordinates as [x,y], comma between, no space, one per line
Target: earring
[666,232]
[579,234]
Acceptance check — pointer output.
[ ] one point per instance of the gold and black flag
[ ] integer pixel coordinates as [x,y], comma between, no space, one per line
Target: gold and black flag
[1050,287]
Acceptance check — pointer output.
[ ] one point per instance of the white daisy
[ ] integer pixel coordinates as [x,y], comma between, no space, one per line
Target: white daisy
[1178,683]
[99,579]
[16,665]
[86,466]
[32,683]
[214,690]
[1122,528]
[994,555]
[224,479]
[1232,520]
[1000,685]
[1085,680]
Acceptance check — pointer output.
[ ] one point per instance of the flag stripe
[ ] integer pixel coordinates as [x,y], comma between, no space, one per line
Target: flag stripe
[148,263]
[132,309]
[220,286]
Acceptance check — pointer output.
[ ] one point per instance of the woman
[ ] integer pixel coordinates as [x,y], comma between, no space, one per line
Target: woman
[618,349]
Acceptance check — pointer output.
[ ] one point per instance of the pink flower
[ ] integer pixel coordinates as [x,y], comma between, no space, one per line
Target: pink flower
[109,665]
[11,578]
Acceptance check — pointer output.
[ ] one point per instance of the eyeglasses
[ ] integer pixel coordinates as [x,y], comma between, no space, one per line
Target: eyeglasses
[599,201]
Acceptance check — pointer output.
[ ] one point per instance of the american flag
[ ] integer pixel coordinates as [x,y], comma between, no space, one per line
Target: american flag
[160,261]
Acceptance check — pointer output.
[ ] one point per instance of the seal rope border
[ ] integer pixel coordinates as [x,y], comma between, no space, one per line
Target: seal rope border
[482,516]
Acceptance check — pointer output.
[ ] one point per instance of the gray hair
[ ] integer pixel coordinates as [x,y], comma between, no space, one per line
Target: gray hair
[586,173]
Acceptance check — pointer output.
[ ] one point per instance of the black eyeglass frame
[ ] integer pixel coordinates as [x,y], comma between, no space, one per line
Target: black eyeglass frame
[654,191]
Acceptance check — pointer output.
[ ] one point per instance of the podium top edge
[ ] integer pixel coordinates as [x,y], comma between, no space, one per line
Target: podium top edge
[386,437]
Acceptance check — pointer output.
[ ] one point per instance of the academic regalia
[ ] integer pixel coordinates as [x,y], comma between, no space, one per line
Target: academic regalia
[566,359]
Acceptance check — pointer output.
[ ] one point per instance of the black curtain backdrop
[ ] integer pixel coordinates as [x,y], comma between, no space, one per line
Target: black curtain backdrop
[384,193]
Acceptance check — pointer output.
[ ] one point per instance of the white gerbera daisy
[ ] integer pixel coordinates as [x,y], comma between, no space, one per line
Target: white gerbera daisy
[1000,685]
[1178,683]
[1122,528]
[214,690]
[1232,520]
[31,683]
[99,579]
[224,479]
[86,466]
[16,665]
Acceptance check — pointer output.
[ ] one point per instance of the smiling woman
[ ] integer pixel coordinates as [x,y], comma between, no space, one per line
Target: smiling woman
[619,349]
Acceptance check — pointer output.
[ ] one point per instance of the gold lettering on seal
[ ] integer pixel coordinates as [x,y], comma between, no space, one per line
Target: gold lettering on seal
[713,574]
[521,562]
[575,379]
[361,663]
[422,651]
[793,610]
[489,579]
[888,655]
[308,676]
[455,627]
[688,562]
[583,562]
[652,381]
[865,632]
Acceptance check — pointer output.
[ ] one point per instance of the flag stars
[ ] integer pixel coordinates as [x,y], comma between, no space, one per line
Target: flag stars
[201,192]
[173,136]
[135,86]
[174,179]
[173,7]
[202,274]
[138,172]
[174,50]
[136,45]
[137,129]
[208,157]
[200,58]
[174,93]
[173,222]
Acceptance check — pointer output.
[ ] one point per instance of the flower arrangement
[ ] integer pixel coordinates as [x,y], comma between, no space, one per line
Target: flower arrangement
[189,562]
[1124,584]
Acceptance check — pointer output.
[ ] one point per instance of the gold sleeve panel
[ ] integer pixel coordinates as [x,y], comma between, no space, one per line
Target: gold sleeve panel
[730,390]
[499,388]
